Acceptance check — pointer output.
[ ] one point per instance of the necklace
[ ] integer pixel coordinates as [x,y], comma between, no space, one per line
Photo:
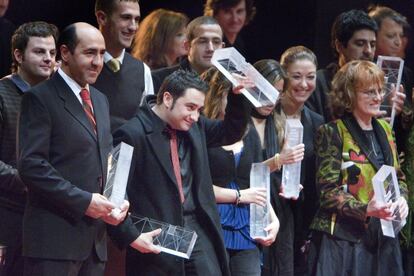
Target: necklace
[370,135]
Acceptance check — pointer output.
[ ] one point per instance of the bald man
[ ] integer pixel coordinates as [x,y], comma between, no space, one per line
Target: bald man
[64,141]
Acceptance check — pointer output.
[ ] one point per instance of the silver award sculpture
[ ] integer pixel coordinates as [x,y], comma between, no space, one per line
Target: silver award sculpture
[386,190]
[259,215]
[392,68]
[119,163]
[291,172]
[3,249]
[174,240]
[234,67]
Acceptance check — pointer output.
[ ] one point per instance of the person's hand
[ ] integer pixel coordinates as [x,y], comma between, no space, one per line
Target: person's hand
[282,192]
[381,211]
[99,206]
[401,203]
[253,195]
[396,101]
[272,229]
[244,82]
[144,243]
[117,215]
[291,155]
[398,98]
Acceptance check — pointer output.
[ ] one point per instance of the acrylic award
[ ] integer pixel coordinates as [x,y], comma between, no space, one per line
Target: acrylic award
[119,163]
[291,172]
[174,240]
[234,66]
[259,215]
[386,190]
[3,249]
[392,68]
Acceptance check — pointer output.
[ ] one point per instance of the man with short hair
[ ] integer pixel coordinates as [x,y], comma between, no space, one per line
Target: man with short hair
[204,36]
[34,52]
[170,180]
[63,144]
[389,43]
[353,37]
[124,79]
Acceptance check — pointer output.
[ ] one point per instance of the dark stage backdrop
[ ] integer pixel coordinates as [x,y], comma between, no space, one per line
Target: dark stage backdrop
[277,25]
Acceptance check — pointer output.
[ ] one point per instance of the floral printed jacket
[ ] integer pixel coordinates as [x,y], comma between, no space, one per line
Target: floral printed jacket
[345,167]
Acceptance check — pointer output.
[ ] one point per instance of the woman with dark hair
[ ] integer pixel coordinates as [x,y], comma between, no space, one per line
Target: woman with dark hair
[232,15]
[347,236]
[160,39]
[299,66]
[230,170]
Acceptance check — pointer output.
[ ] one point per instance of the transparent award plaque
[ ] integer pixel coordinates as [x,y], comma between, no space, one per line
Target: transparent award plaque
[291,172]
[3,249]
[234,66]
[386,190]
[259,215]
[392,68]
[174,240]
[119,163]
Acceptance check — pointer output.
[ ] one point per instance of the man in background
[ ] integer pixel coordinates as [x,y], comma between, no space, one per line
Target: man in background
[33,53]
[124,80]
[353,37]
[204,36]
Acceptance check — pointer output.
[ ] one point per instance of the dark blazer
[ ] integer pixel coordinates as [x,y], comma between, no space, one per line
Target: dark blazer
[152,188]
[319,100]
[62,163]
[160,74]
[123,89]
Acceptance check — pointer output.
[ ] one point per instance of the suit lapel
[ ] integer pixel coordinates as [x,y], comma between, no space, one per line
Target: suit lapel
[161,149]
[196,155]
[99,114]
[72,104]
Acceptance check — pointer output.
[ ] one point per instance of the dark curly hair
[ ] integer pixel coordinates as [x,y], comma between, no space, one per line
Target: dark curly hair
[212,7]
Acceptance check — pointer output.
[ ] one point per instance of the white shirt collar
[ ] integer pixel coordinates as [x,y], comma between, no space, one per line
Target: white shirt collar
[73,85]
[108,57]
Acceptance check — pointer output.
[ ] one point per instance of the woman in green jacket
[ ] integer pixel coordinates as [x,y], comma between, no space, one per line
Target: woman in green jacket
[347,237]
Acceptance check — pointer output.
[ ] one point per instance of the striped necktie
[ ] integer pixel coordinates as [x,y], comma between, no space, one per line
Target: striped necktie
[87,106]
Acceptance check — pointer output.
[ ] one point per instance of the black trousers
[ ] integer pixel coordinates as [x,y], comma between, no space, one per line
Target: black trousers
[92,266]
[244,262]
[203,260]
[11,223]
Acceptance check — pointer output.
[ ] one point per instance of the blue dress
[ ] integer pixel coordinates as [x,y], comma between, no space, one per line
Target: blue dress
[235,220]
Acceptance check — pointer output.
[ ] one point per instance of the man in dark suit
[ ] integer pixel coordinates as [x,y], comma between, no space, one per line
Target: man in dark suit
[124,79]
[353,37]
[64,140]
[179,194]
[34,52]
[204,36]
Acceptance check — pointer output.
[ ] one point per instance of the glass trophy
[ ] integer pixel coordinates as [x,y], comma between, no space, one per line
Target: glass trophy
[392,68]
[234,66]
[259,215]
[3,260]
[119,163]
[174,240]
[291,172]
[386,190]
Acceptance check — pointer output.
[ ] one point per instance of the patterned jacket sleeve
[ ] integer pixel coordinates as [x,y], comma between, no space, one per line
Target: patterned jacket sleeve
[333,198]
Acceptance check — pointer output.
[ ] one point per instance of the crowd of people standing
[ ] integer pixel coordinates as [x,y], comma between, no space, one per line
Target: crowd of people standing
[74,94]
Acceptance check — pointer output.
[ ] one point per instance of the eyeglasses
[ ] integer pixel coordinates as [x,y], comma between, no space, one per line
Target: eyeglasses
[372,94]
